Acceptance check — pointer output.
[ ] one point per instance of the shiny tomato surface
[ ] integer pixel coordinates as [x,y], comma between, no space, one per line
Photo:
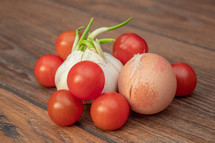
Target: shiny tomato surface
[64,108]
[86,80]
[64,43]
[45,69]
[127,45]
[110,111]
[186,78]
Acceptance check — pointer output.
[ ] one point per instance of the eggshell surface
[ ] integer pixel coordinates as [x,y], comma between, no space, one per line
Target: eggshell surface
[148,82]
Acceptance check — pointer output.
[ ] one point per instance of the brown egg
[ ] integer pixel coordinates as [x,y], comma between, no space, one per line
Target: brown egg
[148,82]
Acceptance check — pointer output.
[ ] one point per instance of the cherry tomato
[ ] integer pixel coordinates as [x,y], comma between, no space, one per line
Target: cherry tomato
[127,45]
[45,69]
[186,78]
[63,108]
[86,80]
[110,111]
[64,43]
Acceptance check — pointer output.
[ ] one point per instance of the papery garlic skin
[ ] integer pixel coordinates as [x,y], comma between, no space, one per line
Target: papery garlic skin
[110,66]
[62,72]
[111,70]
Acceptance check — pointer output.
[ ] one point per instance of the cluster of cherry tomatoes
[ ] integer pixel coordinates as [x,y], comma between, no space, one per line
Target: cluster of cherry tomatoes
[109,111]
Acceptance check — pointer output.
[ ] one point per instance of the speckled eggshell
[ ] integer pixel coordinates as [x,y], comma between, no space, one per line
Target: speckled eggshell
[148,82]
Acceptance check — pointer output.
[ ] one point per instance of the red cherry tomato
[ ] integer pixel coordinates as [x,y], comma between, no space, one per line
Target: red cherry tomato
[86,80]
[63,108]
[64,43]
[110,111]
[127,45]
[45,69]
[186,78]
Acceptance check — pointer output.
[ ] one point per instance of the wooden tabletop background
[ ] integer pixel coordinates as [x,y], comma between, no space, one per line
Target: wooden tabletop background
[180,31]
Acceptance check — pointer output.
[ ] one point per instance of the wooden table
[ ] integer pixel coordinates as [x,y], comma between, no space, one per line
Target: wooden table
[180,31]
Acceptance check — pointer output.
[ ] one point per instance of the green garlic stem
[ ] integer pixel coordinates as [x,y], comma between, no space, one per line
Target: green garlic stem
[75,44]
[106,40]
[104,29]
[86,43]
[97,32]
[99,49]
[86,31]
[120,25]
[82,47]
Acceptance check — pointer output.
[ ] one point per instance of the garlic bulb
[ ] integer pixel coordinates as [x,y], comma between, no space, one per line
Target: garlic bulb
[111,68]
[86,48]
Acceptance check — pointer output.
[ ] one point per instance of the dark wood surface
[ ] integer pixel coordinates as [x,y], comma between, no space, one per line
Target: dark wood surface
[180,31]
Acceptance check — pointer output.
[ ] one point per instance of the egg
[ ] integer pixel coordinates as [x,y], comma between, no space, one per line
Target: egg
[148,82]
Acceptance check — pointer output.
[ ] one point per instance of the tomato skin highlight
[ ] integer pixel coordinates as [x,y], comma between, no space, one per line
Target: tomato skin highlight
[64,108]
[86,80]
[110,111]
[64,43]
[186,78]
[127,45]
[45,69]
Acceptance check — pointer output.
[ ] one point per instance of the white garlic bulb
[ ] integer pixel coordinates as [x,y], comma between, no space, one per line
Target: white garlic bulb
[110,66]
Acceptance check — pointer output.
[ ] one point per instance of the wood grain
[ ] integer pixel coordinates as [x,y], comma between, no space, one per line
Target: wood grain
[187,22]
[177,30]
[24,122]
